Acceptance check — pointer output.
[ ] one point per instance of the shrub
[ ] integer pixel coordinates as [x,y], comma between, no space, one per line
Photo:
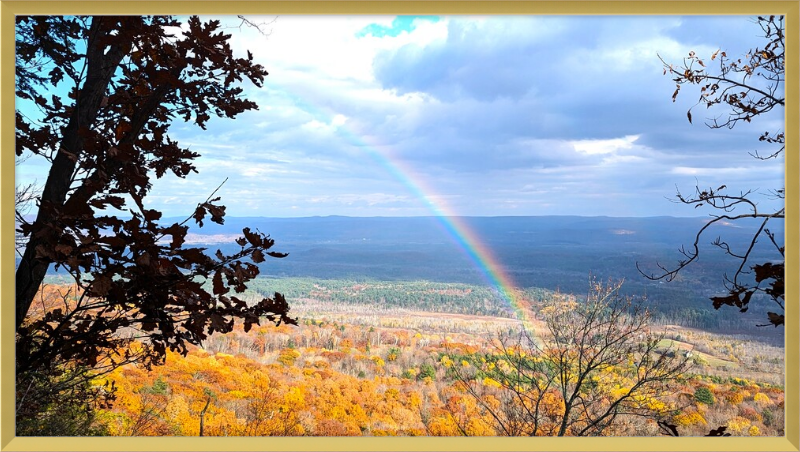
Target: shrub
[762,399]
[738,424]
[426,370]
[768,417]
[689,418]
[735,398]
[750,413]
[704,395]
[288,356]
[160,387]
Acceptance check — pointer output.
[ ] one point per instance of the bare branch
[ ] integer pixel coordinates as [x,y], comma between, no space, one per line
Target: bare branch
[746,98]
[561,382]
[260,27]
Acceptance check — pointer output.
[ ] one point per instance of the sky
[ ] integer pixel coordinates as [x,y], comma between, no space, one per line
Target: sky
[477,116]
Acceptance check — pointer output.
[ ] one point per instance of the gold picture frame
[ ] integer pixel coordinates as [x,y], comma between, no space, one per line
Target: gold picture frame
[10,8]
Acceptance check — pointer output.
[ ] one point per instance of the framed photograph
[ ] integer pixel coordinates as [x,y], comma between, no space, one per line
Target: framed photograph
[458,224]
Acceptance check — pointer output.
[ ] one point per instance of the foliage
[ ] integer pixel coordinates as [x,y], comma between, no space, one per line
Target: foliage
[761,399]
[426,370]
[704,395]
[159,387]
[288,356]
[394,353]
[595,365]
[60,401]
[670,304]
[334,386]
[748,87]
[126,79]
[424,295]
[694,417]
[333,379]
[340,391]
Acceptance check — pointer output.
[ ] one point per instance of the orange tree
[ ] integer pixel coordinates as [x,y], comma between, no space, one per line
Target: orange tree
[124,80]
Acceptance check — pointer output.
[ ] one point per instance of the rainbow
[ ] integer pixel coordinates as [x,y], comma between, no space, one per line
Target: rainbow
[457,229]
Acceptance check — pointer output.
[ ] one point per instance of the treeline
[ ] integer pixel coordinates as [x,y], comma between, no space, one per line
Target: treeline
[456,298]
[436,278]
[670,305]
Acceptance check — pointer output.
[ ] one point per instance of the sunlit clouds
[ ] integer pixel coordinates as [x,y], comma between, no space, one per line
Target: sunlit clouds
[497,115]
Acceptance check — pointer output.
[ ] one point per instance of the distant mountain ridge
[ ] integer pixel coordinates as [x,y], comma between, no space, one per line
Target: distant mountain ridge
[548,252]
[341,229]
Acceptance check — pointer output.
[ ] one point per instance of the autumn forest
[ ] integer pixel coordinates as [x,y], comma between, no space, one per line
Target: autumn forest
[359,368]
[136,315]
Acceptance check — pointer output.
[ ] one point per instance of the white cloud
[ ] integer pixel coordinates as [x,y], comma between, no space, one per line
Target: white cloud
[327,46]
[370,199]
[593,147]
[315,125]
[338,120]
[491,115]
[710,171]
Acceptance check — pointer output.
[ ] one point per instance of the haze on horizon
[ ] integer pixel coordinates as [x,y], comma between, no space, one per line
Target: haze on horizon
[469,116]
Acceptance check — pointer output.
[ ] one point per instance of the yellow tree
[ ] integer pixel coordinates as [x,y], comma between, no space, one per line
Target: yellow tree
[596,364]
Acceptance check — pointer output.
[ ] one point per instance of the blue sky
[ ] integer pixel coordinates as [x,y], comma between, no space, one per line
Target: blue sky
[388,116]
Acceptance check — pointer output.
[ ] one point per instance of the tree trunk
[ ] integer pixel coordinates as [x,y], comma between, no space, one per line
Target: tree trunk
[101,65]
[203,415]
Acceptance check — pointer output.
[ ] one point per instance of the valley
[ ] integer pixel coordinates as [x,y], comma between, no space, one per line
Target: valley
[400,333]
[384,368]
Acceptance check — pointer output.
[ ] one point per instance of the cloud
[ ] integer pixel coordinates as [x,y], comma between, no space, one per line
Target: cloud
[491,115]
[479,58]
[611,146]
[369,199]
[690,171]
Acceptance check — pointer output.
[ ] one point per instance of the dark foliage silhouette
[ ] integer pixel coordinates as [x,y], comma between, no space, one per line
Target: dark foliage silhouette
[126,80]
